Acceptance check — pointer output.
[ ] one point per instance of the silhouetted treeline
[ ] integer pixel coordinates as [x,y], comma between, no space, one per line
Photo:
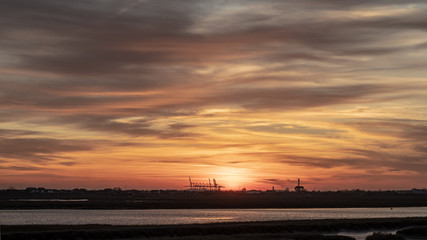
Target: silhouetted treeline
[115,198]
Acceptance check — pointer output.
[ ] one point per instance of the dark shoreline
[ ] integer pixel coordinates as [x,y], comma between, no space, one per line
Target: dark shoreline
[207,200]
[290,227]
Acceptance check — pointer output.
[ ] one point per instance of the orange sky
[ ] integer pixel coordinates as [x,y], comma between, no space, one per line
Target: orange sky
[143,94]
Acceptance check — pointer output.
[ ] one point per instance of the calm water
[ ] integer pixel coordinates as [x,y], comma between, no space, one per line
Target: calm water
[188,216]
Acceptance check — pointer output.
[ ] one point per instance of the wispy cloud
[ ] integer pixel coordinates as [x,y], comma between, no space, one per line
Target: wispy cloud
[38,149]
[318,84]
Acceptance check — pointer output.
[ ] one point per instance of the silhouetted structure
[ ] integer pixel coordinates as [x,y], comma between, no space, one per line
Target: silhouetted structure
[204,186]
[299,188]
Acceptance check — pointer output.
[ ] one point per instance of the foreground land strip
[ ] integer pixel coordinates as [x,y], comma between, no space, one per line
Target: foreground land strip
[216,229]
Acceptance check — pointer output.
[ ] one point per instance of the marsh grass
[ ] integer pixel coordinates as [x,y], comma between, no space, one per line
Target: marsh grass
[292,228]
[414,232]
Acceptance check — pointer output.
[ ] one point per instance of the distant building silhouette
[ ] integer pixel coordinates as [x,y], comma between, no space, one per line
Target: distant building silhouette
[204,186]
[299,188]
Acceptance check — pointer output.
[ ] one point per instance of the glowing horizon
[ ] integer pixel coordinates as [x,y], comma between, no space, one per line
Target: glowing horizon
[143,94]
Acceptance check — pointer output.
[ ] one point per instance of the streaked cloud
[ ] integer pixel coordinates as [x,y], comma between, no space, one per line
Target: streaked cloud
[37,149]
[140,90]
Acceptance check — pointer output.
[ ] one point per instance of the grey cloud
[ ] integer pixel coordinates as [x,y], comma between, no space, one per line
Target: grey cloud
[280,182]
[80,42]
[288,98]
[410,130]
[104,123]
[415,21]
[404,161]
[421,148]
[159,31]
[297,98]
[139,128]
[323,162]
[179,126]
[354,159]
[97,51]
[20,168]
[53,101]
[309,161]
[169,161]
[68,163]
[295,129]
[16,132]
[348,4]
[38,149]
[122,59]
[285,98]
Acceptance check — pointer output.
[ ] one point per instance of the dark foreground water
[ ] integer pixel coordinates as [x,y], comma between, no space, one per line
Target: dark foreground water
[190,216]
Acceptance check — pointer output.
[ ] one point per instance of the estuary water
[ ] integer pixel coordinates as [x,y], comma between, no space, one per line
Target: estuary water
[190,216]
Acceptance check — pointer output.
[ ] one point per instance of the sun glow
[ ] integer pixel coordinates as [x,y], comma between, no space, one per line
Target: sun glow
[233,178]
[252,95]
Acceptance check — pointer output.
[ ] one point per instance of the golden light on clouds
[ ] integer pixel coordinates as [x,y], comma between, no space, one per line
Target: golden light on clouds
[144,94]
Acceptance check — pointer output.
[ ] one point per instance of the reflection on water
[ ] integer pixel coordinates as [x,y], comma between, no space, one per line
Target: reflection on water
[189,216]
[363,234]
[212,218]
[48,200]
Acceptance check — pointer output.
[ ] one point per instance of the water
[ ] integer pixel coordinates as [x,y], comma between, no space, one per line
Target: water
[190,216]
[361,235]
[49,200]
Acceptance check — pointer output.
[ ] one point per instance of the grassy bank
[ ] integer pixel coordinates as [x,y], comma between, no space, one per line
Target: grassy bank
[206,230]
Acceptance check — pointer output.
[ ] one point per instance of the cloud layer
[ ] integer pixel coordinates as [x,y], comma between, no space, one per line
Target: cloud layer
[139,90]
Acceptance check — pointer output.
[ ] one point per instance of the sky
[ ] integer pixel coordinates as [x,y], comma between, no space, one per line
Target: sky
[142,94]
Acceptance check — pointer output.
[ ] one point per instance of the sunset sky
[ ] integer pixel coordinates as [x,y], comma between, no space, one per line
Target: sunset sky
[145,93]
